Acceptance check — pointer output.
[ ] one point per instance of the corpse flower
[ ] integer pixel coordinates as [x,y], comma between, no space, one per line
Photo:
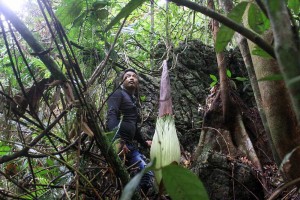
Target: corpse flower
[165,144]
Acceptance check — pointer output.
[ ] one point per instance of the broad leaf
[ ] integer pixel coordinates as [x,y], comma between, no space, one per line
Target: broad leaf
[69,12]
[240,78]
[131,186]
[294,5]
[4,150]
[257,21]
[228,72]
[79,20]
[260,52]
[225,34]
[110,135]
[213,77]
[181,183]
[213,84]
[101,14]
[129,8]
[134,182]
[49,162]
[99,4]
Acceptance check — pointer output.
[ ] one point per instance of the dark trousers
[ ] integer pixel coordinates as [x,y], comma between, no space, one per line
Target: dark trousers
[134,157]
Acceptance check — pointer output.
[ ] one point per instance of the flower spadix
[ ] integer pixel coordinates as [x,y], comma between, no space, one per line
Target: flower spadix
[165,144]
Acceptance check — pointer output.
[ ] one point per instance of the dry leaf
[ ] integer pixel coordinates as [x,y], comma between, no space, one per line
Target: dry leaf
[85,128]
[55,83]
[72,133]
[68,93]
[55,99]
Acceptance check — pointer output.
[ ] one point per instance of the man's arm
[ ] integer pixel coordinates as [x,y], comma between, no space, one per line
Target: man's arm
[138,136]
[113,113]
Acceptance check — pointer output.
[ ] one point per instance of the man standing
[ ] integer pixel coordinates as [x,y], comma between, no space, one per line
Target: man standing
[123,117]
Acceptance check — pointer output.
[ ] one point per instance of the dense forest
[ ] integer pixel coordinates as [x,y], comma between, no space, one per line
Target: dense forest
[231,68]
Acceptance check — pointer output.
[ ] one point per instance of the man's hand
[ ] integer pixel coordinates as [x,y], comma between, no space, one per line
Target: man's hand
[124,150]
[149,143]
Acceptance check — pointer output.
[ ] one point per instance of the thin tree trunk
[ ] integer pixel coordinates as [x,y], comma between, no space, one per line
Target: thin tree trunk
[286,49]
[238,133]
[276,100]
[244,48]
[277,104]
[152,35]
[222,68]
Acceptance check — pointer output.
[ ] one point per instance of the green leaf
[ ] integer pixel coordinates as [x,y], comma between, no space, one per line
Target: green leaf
[294,5]
[228,72]
[143,98]
[181,183]
[129,8]
[110,135]
[49,162]
[240,79]
[257,21]
[225,34]
[213,77]
[134,182]
[38,64]
[43,180]
[69,12]
[260,52]
[26,196]
[213,84]
[79,20]
[274,77]
[99,4]
[131,186]
[101,14]
[41,172]
[4,150]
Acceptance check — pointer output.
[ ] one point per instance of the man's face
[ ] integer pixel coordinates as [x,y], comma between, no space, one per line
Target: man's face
[131,80]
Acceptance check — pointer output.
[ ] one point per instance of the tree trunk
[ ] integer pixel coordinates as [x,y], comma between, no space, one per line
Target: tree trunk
[286,49]
[281,118]
[224,84]
[244,48]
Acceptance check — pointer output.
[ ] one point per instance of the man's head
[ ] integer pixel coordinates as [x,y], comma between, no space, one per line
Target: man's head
[130,80]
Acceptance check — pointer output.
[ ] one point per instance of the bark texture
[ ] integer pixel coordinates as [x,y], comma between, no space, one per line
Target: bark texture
[277,104]
[286,44]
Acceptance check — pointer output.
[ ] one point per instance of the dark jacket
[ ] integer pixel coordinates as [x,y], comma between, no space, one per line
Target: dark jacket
[123,115]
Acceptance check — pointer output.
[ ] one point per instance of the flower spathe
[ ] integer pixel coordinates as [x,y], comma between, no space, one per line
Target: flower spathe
[165,144]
